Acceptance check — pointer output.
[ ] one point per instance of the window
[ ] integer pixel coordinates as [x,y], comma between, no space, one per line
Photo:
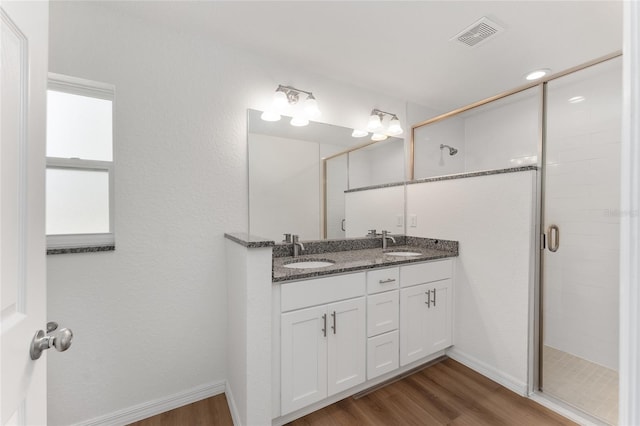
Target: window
[80,163]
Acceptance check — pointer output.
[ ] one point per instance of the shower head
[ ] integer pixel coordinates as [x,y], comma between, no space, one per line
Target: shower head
[452,150]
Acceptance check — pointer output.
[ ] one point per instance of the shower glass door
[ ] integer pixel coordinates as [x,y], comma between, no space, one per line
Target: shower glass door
[581,218]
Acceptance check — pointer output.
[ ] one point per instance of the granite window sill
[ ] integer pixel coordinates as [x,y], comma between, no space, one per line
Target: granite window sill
[87,249]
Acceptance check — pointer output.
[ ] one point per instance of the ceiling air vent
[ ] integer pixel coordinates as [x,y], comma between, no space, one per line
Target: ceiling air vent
[478,32]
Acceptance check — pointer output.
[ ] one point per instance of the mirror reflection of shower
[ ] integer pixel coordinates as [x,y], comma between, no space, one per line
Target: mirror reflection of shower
[452,150]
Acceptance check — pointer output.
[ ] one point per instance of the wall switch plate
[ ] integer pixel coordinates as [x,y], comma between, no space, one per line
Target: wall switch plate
[399,221]
[413,220]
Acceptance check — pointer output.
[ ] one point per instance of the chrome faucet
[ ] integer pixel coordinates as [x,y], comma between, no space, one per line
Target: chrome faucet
[297,246]
[384,239]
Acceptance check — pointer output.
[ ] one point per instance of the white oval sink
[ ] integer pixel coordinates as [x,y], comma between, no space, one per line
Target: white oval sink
[309,264]
[403,253]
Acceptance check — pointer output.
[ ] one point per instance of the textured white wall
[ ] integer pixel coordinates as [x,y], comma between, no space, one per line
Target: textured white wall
[150,318]
[492,218]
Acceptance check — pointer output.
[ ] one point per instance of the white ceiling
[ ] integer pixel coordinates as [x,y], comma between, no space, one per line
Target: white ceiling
[402,48]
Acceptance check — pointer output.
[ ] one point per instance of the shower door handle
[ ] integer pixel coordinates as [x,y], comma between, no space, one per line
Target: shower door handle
[553,243]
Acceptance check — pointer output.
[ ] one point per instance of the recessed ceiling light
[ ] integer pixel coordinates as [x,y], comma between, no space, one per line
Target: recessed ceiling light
[537,74]
[576,99]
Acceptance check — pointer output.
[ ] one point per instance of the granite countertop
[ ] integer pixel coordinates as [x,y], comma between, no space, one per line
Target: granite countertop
[355,260]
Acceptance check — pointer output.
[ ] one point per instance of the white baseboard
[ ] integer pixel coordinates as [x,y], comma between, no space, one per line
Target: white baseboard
[155,407]
[233,408]
[506,380]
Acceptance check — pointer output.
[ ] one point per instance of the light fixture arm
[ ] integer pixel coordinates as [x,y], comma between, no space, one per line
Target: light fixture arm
[381,113]
[293,94]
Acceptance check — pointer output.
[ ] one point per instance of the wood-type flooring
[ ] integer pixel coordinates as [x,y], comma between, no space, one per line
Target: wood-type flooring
[446,393]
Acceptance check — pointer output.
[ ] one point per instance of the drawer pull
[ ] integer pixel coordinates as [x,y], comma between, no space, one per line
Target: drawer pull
[434,298]
[324,330]
[428,302]
[387,281]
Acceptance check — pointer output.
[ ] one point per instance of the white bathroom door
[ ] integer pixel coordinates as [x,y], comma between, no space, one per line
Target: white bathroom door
[23,80]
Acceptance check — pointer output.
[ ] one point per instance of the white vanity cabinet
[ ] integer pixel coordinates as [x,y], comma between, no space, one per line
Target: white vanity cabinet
[322,347]
[339,334]
[425,310]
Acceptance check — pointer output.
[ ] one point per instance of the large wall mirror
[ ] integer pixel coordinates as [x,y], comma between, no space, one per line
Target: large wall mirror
[298,177]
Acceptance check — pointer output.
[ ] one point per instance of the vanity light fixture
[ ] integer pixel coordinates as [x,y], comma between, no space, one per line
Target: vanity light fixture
[358,133]
[286,96]
[537,74]
[376,125]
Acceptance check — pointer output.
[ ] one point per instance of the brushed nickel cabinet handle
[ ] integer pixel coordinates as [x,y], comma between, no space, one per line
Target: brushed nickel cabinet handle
[390,280]
[428,302]
[434,297]
[334,322]
[324,330]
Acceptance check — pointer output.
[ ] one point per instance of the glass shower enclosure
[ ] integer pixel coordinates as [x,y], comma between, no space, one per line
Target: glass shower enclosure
[581,221]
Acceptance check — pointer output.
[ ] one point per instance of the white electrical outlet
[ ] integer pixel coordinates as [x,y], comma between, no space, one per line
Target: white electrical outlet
[413,220]
[399,221]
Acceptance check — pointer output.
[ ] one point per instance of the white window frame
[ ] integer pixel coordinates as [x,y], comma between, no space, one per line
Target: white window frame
[93,89]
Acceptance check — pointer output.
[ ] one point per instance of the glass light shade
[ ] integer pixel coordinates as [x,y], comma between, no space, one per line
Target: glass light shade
[537,74]
[394,127]
[299,120]
[378,137]
[311,108]
[270,115]
[374,123]
[357,133]
[280,100]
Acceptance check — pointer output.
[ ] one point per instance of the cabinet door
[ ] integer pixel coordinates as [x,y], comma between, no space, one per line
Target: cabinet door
[303,357]
[413,323]
[347,344]
[439,328]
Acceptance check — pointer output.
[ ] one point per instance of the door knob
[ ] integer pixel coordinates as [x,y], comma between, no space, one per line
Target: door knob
[61,340]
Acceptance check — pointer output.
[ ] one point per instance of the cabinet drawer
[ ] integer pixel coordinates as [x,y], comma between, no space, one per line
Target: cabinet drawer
[301,294]
[382,354]
[382,280]
[382,312]
[425,272]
